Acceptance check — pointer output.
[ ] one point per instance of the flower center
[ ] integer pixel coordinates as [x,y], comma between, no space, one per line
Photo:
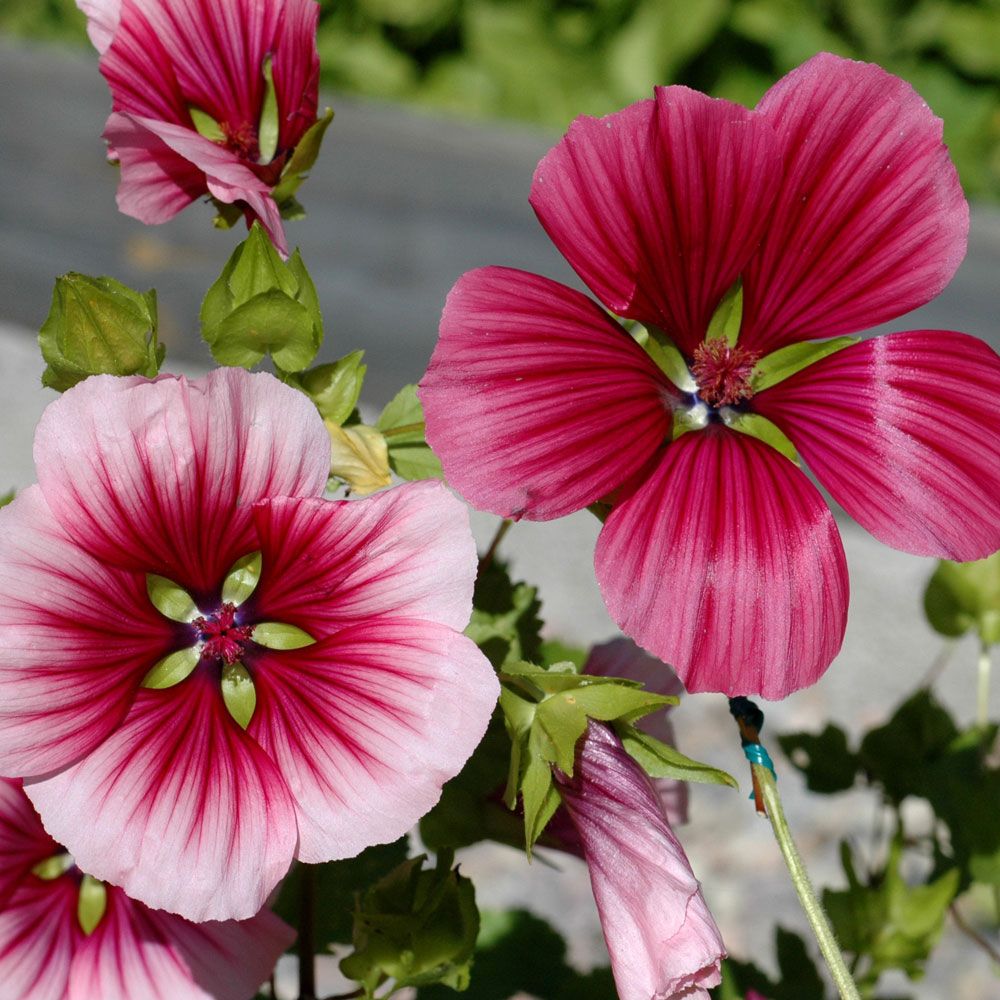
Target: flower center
[242,140]
[220,636]
[723,373]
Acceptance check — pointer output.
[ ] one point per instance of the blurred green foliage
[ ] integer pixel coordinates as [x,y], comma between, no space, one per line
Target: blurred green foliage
[547,61]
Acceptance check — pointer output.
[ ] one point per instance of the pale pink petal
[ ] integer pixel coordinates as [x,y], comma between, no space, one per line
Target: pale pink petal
[76,638]
[179,807]
[658,207]
[406,553]
[870,221]
[902,430]
[623,658]
[536,401]
[162,476]
[137,952]
[102,20]
[727,564]
[661,937]
[156,183]
[367,726]
[38,934]
[23,840]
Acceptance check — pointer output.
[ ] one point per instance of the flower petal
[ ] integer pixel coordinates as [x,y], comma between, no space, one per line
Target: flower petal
[161,476]
[405,553]
[366,727]
[659,206]
[102,20]
[138,952]
[23,840]
[870,221]
[727,564]
[38,935]
[533,391]
[661,937]
[902,431]
[76,638]
[178,807]
[296,70]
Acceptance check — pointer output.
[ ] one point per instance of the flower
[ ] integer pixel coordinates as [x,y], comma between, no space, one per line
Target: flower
[207,98]
[660,935]
[836,205]
[205,668]
[66,936]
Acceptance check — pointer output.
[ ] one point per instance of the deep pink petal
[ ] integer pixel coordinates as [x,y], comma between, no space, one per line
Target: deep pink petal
[156,183]
[76,638]
[870,221]
[367,726]
[178,806]
[137,952]
[38,935]
[405,553]
[659,206]
[536,401]
[102,20]
[661,937]
[296,70]
[727,564]
[902,431]
[162,476]
[23,840]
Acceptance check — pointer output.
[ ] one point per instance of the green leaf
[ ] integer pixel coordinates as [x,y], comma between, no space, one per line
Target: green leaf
[335,388]
[661,760]
[205,125]
[302,159]
[239,693]
[278,635]
[554,651]
[758,426]
[505,622]
[98,326]
[726,320]
[91,904]
[826,760]
[414,461]
[966,596]
[786,361]
[242,579]
[268,128]
[402,424]
[171,599]
[172,669]
[538,793]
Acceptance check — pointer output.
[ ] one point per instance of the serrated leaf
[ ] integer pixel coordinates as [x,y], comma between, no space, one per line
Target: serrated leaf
[505,623]
[239,693]
[786,361]
[172,669]
[170,599]
[825,759]
[242,579]
[661,760]
[280,635]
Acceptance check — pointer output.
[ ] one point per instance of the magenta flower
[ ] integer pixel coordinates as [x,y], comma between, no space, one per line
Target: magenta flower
[184,731]
[661,937]
[836,204]
[66,936]
[191,113]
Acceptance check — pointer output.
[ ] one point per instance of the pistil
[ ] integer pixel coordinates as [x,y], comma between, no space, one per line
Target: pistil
[723,372]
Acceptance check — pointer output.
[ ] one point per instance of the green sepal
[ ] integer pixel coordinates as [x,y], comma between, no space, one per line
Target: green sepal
[279,635]
[416,927]
[661,760]
[269,126]
[666,356]
[402,425]
[335,388]
[227,214]
[302,160]
[786,361]
[98,326]
[262,305]
[965,596]
[205,125]
[91,904]
[765,430]
[172,669]
[51,868]
[539,795]
[242,579]
[238,692]
[170,599]
[728,315]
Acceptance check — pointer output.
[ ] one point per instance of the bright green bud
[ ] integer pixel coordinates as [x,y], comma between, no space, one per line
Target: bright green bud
[98,326]
[966,596]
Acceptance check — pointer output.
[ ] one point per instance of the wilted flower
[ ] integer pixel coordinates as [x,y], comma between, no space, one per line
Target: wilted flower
[208,99]
[205,668]
[661,937]
[836,205]
[66,936]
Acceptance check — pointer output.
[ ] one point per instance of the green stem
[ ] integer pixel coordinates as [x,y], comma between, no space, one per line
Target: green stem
[307,938]
[800,879]
[403,429]
[502,529]
[983,696]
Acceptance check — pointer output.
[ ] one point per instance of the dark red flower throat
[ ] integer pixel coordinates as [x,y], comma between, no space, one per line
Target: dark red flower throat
[222,638]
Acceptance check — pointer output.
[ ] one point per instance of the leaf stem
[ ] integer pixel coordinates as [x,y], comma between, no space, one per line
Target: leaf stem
[983,695]
[502,529]
[803,887]
[307,937]
[403,429]
[972,934]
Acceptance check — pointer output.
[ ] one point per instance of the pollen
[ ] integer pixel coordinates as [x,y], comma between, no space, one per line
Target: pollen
[221,637]
[723,373]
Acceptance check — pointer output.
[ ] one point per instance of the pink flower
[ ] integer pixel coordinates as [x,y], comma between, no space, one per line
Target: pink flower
[173,65]
[836,204]
[194,787]
[662,940]
[55,945]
